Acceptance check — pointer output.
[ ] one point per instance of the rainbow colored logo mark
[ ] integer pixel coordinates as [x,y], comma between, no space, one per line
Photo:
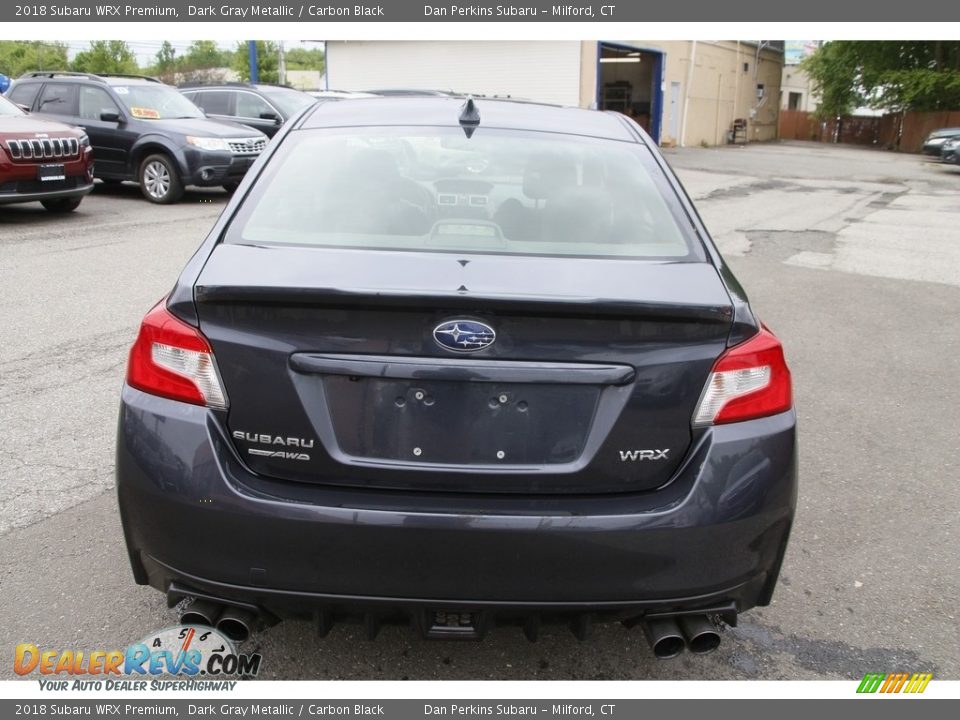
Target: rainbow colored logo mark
[894,682]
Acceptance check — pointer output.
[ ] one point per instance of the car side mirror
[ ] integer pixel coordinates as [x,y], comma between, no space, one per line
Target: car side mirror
[271,116]
[110,116]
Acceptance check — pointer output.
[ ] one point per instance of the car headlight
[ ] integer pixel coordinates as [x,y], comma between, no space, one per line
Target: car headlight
[84,140]
[936,141]
[208,143]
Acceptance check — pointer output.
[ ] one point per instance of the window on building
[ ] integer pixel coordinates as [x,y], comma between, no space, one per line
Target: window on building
[794,100]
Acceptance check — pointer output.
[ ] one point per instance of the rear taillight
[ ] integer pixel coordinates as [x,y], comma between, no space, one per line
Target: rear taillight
[173,359]
[750,380]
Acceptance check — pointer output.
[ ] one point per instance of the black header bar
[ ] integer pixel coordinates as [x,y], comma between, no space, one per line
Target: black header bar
[324,11]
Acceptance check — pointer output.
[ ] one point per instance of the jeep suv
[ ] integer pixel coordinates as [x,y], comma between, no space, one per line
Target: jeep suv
[42,160]
[144,130]
[263,107]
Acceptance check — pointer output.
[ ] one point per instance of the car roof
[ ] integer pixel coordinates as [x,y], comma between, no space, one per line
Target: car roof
[445,111]
[121,80]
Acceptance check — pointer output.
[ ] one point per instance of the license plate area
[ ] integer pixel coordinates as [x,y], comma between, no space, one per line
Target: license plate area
[460,423]
[453,625]
[51,173]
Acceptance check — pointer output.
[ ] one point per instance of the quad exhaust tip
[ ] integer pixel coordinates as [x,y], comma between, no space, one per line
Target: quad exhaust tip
[700,633]
[201,612]
[668,636]
[236,623]
[233,622]
[664,637]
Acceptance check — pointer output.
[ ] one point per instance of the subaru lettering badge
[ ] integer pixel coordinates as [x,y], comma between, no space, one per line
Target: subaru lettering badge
[464,335]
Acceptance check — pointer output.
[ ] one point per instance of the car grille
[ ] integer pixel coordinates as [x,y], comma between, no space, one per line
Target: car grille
[43,148]
[247,146]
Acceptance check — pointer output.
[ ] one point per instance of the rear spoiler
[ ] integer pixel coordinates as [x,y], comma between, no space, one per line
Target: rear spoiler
[511,304]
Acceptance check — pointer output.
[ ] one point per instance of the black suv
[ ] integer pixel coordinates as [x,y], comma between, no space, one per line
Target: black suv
[264,107]
[143,130]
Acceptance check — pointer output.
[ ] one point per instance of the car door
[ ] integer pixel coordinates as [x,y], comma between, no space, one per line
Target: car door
[256,112]
[106,125]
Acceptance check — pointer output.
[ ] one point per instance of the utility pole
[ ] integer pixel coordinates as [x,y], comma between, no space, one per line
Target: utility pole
[252,54]
[282,66]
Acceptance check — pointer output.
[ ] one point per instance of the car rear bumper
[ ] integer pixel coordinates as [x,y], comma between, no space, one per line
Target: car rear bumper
[194,517]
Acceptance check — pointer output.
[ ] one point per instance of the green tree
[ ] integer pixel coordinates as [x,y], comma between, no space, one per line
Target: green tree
[305,59]
[20,56]
[166,65]
[106,56]
[268,61]
[205,54]
[886,75]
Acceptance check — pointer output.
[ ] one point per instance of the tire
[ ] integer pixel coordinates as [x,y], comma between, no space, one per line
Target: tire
[231,187]
[63,205]
[159,180]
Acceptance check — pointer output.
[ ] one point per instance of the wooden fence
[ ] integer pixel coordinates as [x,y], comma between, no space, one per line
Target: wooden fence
[894,131]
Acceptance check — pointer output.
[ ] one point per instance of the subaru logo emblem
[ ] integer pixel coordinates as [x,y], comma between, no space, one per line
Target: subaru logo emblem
[464,335]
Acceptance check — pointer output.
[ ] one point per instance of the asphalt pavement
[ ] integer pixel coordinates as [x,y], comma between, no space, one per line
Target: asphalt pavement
[852,256]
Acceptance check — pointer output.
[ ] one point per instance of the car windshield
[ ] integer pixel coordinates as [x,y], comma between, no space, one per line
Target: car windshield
[289,101]
[500,191]
[8,109]
[156,102]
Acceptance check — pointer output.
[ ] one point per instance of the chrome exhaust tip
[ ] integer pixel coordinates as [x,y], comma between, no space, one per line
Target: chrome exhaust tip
[201,612]
[701,634]
[236,623]
[664,637]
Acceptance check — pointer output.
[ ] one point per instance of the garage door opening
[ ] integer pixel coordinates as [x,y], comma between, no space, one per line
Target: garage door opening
[629,82]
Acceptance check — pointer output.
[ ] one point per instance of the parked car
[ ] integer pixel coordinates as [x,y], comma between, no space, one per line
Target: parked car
[264,107]
[339,94]
[145,131]
[950,151]
[411,92]
[459,363]
[42,161]
[935,140]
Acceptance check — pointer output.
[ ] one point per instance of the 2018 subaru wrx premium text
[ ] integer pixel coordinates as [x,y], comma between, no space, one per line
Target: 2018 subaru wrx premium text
[466,364]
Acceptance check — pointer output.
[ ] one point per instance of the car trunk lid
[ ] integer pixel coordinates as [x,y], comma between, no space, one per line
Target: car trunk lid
[335,374]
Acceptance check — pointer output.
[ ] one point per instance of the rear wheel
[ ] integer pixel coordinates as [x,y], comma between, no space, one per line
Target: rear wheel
[63,205]
[159,181]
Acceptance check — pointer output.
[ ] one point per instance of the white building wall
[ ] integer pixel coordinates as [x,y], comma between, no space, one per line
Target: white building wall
[544,71]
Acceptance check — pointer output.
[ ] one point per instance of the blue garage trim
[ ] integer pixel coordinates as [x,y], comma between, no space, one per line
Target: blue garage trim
[656,92]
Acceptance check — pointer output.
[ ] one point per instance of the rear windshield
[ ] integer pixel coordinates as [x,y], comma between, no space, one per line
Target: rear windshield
[433,189]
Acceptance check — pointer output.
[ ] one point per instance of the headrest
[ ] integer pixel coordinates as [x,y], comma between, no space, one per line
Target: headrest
[548,175]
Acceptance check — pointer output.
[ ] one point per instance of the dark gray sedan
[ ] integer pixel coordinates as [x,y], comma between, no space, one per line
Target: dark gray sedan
[462,365]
